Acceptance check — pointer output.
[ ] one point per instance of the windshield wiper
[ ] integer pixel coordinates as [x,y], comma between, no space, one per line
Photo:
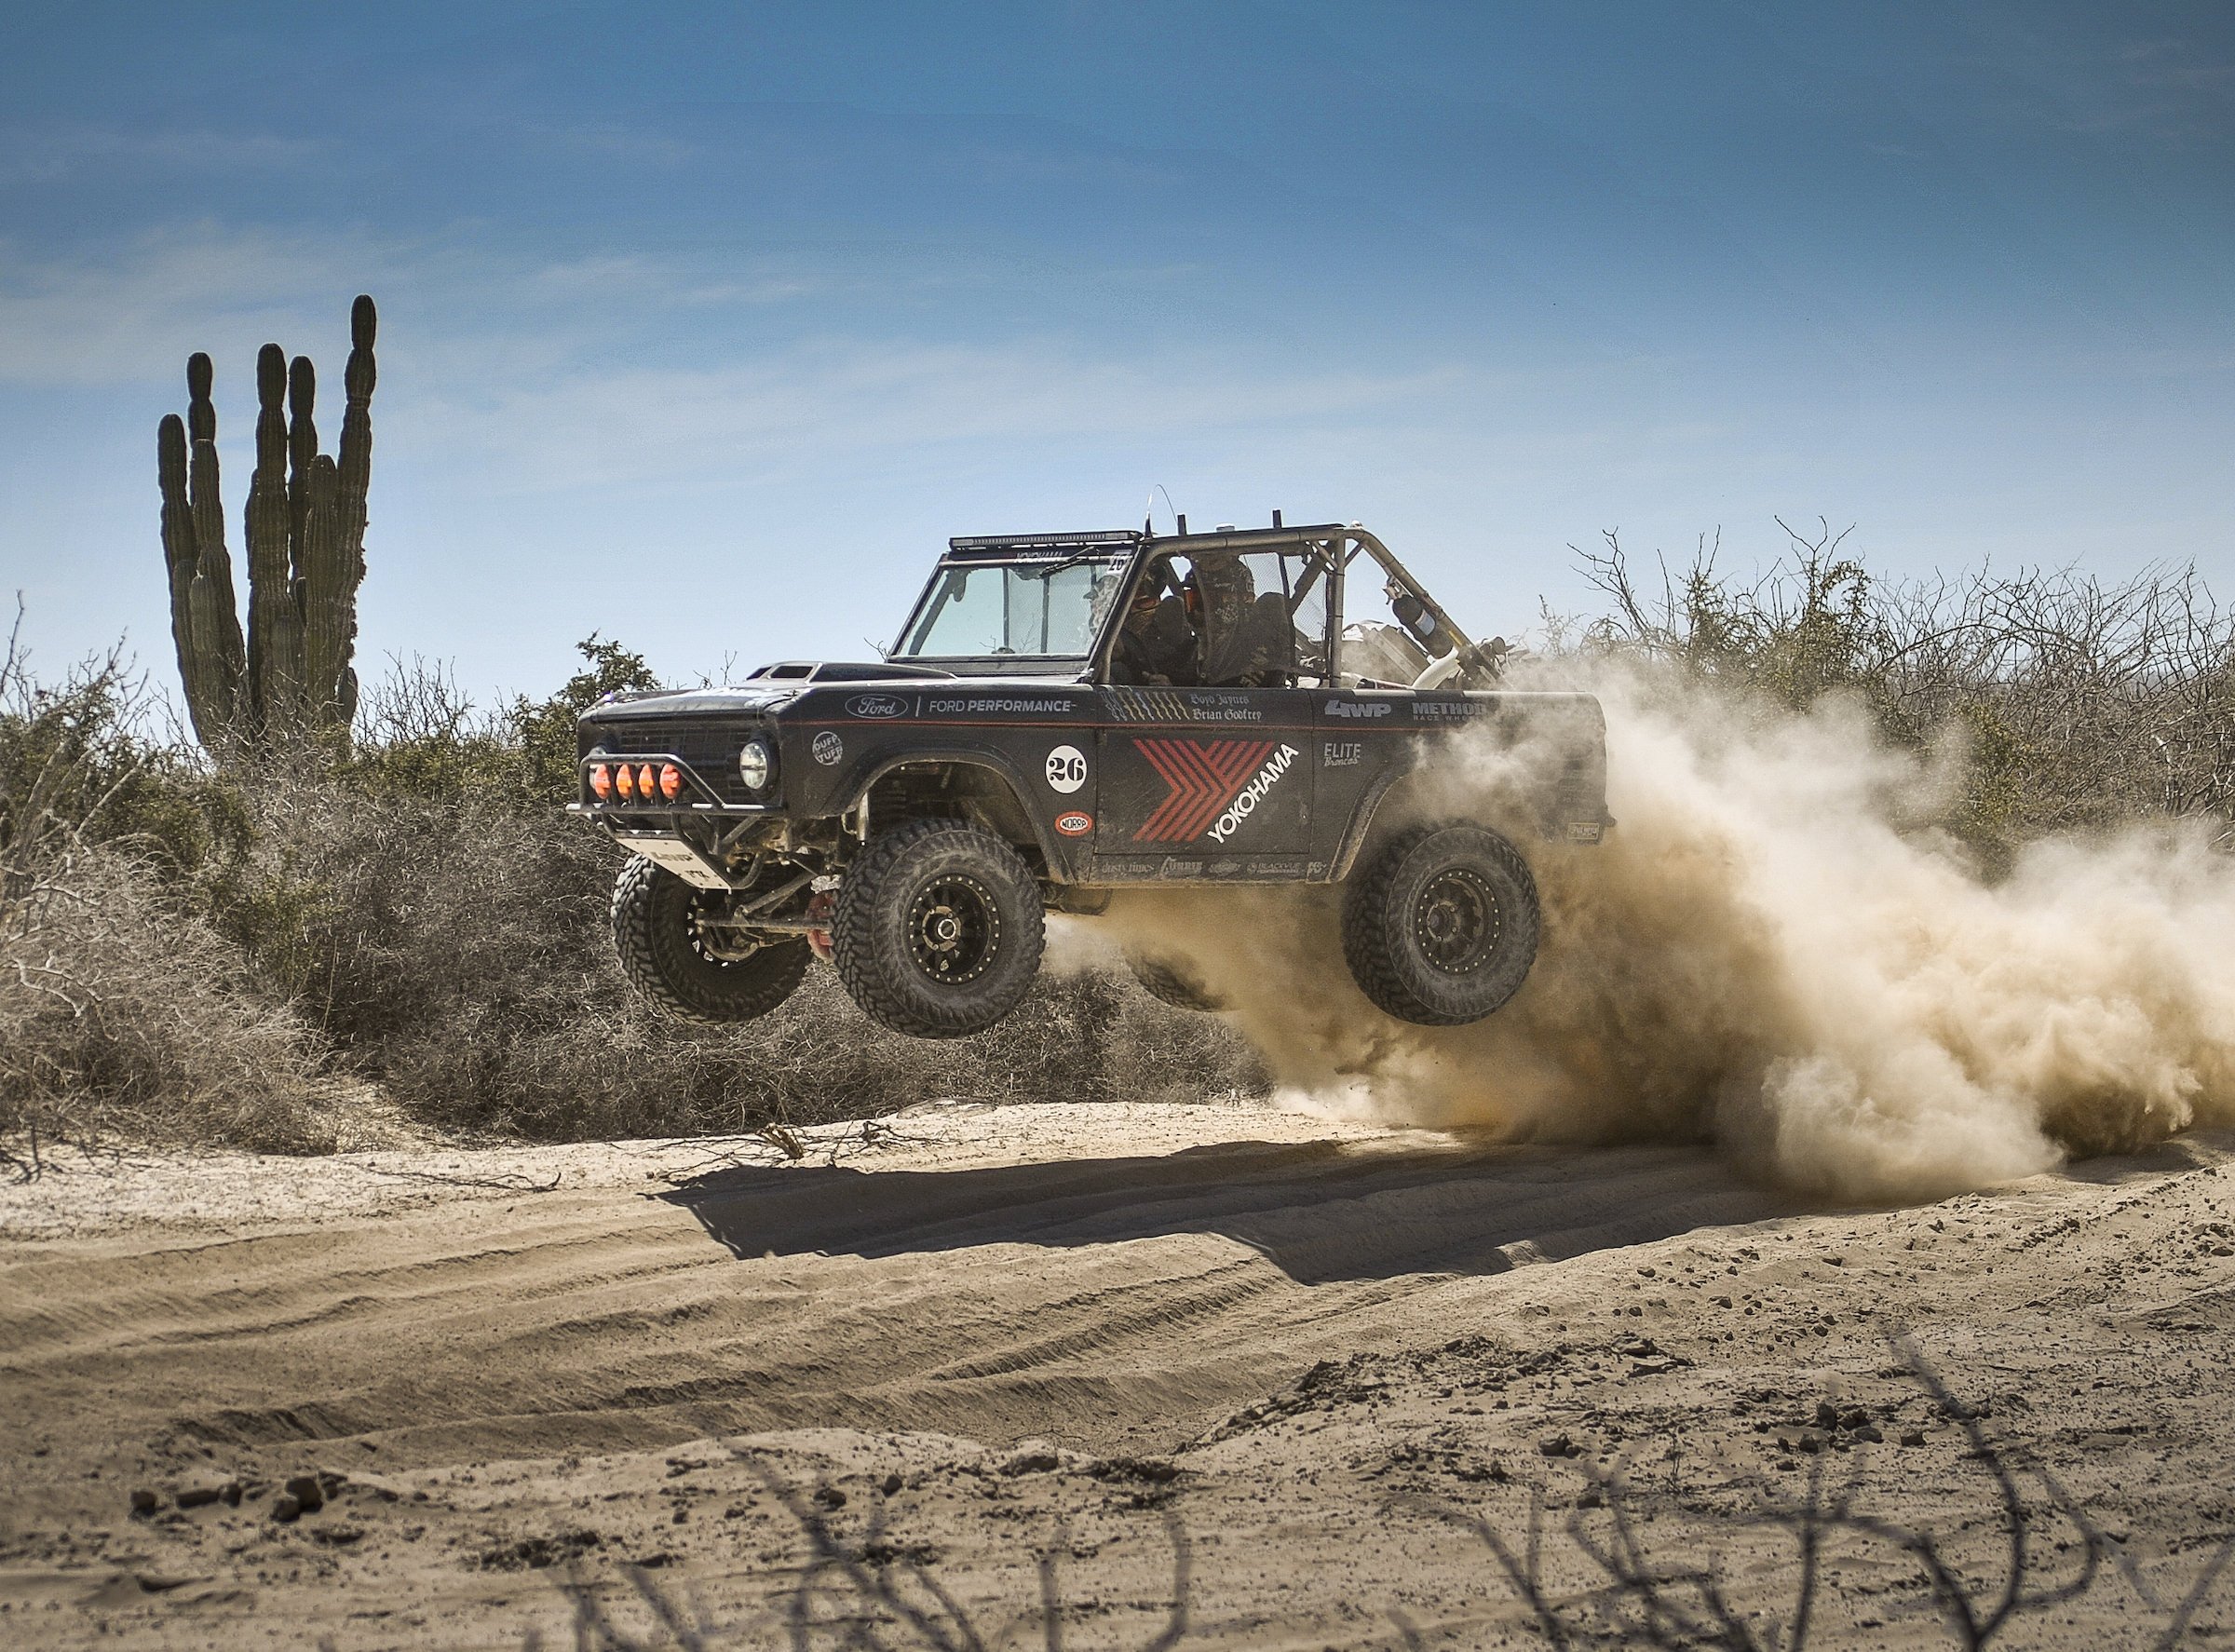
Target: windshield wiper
[1034,571]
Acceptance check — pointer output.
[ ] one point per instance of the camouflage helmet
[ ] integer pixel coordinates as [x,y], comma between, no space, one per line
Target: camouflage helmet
[1224,579]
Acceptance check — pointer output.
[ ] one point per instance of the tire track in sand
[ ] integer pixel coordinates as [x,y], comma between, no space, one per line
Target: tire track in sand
[1116,1301]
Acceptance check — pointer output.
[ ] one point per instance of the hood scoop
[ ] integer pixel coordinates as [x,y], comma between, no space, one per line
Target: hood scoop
[827,670]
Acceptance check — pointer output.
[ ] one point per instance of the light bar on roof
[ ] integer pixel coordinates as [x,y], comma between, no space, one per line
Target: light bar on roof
[1044,544]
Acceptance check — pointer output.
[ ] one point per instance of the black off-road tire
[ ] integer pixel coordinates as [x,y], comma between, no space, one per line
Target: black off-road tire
[937,929]
[665,958]
[1441,925]
[1170,982]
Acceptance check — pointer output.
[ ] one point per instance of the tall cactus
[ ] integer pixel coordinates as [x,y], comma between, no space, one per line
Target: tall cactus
[305,529]
[353,480]
[202,620]
[275,631]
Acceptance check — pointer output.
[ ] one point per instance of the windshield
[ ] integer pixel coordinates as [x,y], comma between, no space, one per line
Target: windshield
[1048,608]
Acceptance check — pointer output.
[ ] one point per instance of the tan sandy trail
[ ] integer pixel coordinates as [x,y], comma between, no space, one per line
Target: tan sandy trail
[516,1368]
[1135,1295]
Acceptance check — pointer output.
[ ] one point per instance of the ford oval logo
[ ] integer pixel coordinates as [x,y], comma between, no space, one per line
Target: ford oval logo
[875,705]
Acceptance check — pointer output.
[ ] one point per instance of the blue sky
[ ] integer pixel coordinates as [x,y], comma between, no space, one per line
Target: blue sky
[704,327]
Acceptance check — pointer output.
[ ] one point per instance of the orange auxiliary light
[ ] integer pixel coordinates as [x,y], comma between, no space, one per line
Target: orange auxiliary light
[601,781]
[644,782]
[624,778]
[670,782]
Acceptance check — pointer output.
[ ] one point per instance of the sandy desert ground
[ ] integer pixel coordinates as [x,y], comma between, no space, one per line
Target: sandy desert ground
[682,1394]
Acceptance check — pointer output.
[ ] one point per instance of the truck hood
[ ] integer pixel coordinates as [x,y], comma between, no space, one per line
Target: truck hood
[775,687]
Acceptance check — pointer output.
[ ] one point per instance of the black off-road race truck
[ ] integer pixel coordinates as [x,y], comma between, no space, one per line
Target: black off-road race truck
[1065,716]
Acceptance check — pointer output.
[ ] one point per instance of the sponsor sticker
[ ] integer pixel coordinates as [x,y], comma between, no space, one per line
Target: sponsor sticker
[1075,823]
[1245,802]
[1010,705]
[1361,709]
[1210,786]
[1066,769]
[1342,753]
[828,748]
[875,705]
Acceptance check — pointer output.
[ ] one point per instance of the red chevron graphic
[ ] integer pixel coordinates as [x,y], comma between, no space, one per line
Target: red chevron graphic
[1203,777]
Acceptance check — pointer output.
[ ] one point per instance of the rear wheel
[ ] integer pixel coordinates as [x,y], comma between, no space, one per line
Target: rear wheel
[937,929]
[676,955]
[1172,982]
[1441,927]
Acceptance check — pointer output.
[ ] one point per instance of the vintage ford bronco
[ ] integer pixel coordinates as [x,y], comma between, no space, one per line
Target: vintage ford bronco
[1065,715]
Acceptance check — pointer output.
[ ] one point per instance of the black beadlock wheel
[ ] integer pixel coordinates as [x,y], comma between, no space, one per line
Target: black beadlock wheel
[1440,927]
[937,929]
[673,958]
[1170,982]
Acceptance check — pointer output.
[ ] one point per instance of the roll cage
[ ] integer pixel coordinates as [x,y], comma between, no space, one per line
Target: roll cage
[1329,551]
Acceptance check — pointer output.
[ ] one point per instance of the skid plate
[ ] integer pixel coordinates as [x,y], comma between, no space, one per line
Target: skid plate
[678,857]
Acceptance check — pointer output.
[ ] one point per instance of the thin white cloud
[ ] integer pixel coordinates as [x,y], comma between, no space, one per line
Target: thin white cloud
[131,316]
[135,318]
[850,396]
[640,279]
[504,370]
[48,155]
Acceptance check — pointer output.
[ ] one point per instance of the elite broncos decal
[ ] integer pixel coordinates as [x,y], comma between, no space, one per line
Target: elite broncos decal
[1214,785]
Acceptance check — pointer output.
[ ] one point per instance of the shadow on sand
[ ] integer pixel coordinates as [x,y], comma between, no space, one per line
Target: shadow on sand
[1321,1212]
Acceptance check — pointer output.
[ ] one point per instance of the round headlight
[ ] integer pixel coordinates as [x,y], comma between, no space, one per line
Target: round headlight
[755,762]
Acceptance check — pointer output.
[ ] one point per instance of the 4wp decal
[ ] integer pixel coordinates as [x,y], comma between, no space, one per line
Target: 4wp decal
[1212,785]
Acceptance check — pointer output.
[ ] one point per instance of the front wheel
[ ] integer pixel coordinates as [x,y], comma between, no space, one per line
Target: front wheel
[675,953]
[1441,926]
[937,929]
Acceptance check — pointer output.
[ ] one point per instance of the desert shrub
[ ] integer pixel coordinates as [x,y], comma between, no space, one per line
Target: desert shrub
[543,731]
[418,737]
[605,1067]
[79,765]
[121,1013]
[224,954]
[120,1007]
[458,955]
[2060,701]
[424,907]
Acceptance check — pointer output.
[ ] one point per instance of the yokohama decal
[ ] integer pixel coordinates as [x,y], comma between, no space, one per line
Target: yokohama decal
[1209,782]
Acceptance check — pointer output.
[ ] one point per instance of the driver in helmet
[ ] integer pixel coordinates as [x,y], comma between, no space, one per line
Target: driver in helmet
[1156,643]
[1238,649]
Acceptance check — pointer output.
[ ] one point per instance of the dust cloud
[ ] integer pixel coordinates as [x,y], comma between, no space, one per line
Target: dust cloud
[1775,951]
